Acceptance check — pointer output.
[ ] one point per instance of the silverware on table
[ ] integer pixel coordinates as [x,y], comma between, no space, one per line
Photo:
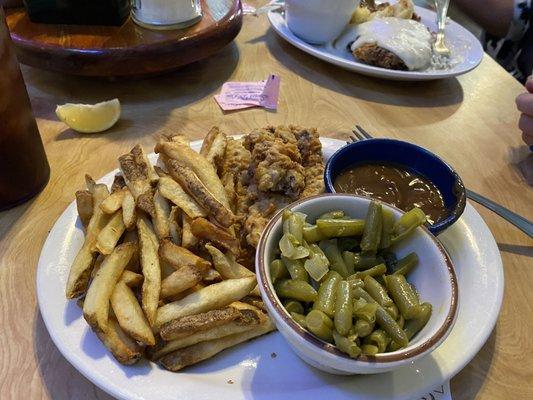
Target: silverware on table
[442,10]
[520,222]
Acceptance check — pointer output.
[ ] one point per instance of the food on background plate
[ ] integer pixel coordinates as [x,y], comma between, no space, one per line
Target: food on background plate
[368,10]
[159,273]
[340,280]
[90,118]
[394,185]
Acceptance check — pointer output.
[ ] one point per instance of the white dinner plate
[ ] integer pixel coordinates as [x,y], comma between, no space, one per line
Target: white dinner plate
[266,368]
[466,50]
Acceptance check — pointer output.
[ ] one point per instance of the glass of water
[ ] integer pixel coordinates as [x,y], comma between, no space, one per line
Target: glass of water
[166,14]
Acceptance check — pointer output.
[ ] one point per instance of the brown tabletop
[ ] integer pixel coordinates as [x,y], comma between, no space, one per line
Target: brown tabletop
[470,121]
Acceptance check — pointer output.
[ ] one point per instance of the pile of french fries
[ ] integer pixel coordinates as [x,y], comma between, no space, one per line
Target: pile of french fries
[157,274]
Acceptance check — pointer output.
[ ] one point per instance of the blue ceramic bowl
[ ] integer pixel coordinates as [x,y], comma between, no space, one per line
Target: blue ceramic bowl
[413,158]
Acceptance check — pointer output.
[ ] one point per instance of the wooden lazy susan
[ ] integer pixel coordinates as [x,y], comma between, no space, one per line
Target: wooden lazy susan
[125,51]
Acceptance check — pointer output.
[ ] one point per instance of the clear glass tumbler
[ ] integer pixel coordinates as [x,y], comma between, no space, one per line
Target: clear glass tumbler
[24,169]
[166,14]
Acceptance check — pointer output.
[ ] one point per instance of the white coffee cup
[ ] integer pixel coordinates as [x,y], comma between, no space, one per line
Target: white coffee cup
[318,21]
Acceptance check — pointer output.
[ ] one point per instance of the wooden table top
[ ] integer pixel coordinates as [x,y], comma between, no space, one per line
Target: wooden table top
[470,121]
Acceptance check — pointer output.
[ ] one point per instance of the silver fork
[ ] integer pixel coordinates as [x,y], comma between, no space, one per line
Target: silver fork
[520,222]
[442,10]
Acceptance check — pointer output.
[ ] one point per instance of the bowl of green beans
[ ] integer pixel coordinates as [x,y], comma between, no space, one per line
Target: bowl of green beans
[356,286]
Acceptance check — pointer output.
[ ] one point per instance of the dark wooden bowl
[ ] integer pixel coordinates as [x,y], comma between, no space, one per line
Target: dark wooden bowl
[125,51]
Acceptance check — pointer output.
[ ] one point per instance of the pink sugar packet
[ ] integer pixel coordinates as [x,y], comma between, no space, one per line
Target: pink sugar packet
[239,95]
[247,8]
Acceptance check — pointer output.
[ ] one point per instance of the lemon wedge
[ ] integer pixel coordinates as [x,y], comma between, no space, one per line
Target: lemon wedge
[90,118]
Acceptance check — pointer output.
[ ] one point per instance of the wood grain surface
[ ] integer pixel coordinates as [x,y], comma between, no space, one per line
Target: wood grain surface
[127,50]
[470,121]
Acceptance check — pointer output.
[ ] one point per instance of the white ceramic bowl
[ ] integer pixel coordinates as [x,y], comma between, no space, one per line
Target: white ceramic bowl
[434,279]
[318,21]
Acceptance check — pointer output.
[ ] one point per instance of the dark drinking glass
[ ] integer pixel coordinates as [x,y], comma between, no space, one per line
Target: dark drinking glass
[24,170]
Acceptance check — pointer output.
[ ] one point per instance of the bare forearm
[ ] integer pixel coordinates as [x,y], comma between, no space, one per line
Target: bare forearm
[494,16]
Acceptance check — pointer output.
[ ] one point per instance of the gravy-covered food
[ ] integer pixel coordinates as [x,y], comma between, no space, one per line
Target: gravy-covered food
[394,185]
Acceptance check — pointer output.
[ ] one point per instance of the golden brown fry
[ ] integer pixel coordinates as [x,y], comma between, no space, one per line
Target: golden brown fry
[182,279]
[255,301]
[126,350]
[110,234]
[96,305]
[84,204]
[188,240]
[214,147]
[131,279]
[187,292]
[186,177]
[129,214]
[80,270]
[186,326]
[97,264]
[204,350]
[179,256]
[130,315]
[203,229]
[118,183]
[173,225]
[212,276]
[211,297]
[137,172]
[175,193]
[113,202]
[150,268]
[160,171]
[90,183]
[161,216]
[226,265]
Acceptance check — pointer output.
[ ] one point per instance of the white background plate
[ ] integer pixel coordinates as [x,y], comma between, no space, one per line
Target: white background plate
[251,367]
[465,48]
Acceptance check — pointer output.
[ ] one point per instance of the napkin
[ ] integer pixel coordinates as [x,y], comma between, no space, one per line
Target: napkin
[439,393]
[247,8]
[239,95]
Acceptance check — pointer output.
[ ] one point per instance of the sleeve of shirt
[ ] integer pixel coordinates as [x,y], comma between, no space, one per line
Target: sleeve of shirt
[520,22]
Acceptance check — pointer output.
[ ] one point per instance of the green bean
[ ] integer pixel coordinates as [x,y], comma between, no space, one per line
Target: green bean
[332,228]
[386,228]
[334,256]
[349,261]
[406,264]
[291,248]
[312,234]
[296,269]
[415,325]
[369,350]
[297,290]
[376,270]
[347,243]
[278,271]
[378,292]
[363,328]
[299,319]
[372,228]
[366,312]
[296,224]
[407,223]
[327,293]
[319,324]
[355,283]
[335,214]
[393,311]
[362,262]
[345,345]
[384,319]
[403,296]
[293,306]
[343,308]
[317,265]
[400,321]
[316,250]
[378,338]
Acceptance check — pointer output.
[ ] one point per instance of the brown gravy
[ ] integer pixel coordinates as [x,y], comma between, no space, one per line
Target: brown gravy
[393,185]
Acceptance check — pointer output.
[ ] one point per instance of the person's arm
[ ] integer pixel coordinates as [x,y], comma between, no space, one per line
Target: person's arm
[524,103]
[494,16]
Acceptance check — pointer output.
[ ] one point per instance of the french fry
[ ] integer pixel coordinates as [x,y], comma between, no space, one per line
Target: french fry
[80,270]
[186,326]
[160,171]
[131,279]
[110,234]
[211,297]
[129,214]
[186,177]
[204,350]
[118,183]
[97,264]
[248,320]
[161,216]
[130,315]
[255,301]
[174,192]
[199,164]
[212,276]
[203,229]
[226,265]
[151,268]
[182,279]
[188,240]
[113,202]
[96,305]
[90,183]
[126,350]
[178,256]
[214,147]
[137,172]
[195,288]
[173,225]
[84,204]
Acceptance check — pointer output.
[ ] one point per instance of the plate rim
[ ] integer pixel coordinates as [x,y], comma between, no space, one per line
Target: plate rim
[116,390]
